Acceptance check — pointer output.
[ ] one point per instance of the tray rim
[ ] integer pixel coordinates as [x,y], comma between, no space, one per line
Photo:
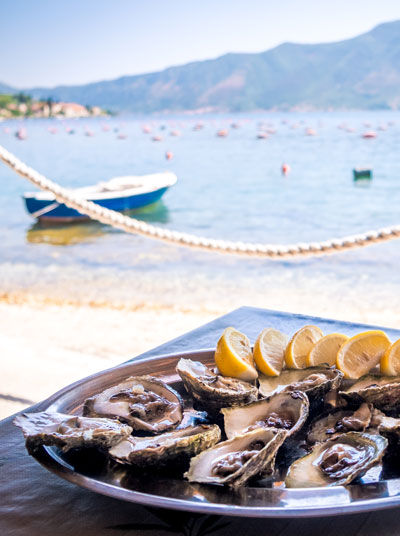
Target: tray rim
[53,463]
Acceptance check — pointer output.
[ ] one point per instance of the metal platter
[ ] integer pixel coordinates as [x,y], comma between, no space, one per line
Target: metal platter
[94,473]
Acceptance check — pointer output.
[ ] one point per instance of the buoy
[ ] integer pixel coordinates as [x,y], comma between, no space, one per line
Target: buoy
[222,133]
[169,155]
[285,169]
[146,129]
[369,134]
[174,133]
[157,138]
[198,126]
[310,132]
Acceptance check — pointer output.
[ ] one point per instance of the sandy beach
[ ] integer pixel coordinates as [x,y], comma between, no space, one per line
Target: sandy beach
[48,346]
[50,340]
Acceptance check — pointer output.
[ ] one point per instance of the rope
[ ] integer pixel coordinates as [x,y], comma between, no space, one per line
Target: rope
[131,225]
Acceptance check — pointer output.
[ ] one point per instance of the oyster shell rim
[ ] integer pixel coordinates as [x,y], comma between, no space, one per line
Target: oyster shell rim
[319,447]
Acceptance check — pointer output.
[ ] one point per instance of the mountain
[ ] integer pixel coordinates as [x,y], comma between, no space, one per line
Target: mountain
[362,72]
[5,89]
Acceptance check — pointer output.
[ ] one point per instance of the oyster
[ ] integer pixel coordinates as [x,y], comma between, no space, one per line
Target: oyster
[315,381]
[166,448]
[144,402]
[212,391]
[381,391]
[286,410]
[338,422]
[69,431]
[337,462]
[235,461]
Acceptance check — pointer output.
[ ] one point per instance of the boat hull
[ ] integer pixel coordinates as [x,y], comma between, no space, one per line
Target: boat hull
[62,213]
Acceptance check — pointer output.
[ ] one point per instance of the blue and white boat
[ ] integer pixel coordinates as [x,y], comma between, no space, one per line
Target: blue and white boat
[119,193]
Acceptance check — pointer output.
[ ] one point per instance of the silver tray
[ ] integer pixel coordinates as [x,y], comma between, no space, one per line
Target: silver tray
[175,493]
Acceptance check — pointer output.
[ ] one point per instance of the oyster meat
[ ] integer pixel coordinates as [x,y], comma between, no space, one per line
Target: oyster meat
[338,422]
[337,461]
[381,391]
[69,431]
[235,461]
[144,402]
[212,391]
[287,410]
[314,381]
[166,448]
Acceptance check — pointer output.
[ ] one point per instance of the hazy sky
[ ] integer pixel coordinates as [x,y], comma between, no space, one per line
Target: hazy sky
[45,42]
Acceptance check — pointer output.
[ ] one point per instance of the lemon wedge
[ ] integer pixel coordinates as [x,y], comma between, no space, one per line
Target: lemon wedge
[325,350]
[361,353]
[300,345]
[390,361]
[233,356]
[269,351]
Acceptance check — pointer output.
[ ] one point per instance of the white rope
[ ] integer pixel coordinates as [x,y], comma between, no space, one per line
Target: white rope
[131,225]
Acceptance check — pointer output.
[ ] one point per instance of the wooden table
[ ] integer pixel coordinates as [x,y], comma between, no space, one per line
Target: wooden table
[36,502]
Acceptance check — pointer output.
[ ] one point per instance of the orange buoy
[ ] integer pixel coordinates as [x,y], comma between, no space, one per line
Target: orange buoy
[157,138]
[146,129]
[310,132]
[285,169]
[222,133]
[169,155]
[369,134]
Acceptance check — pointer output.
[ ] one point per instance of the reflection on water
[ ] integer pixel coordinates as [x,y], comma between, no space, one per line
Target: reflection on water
[66,234]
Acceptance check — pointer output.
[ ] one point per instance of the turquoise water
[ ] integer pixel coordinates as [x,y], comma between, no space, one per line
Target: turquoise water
[228,188]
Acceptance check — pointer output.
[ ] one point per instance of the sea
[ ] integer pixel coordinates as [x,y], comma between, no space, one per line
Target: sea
[229,187]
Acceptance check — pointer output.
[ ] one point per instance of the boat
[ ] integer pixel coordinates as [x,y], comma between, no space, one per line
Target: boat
[119,193]
[362,174]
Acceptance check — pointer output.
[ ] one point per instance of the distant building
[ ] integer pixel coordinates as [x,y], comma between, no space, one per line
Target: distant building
[69,109]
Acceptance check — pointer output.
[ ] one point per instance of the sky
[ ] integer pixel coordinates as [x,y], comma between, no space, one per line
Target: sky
[47,43]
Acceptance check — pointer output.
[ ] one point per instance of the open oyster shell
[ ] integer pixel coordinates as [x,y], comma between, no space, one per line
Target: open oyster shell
[337,461]
[339,422]
[212,391]
[314,381]
[144,402]
[69,431]
[235,461]
[286,410]
[166,448]
[381,391]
